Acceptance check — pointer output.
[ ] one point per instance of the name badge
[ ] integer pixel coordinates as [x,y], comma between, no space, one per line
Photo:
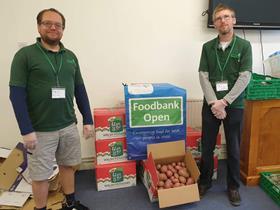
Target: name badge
[221,86]
[58,92]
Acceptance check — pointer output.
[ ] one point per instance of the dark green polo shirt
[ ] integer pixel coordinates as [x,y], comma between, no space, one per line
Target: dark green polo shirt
[239,60]
[32,69]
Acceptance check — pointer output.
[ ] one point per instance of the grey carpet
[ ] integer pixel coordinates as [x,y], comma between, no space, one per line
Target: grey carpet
[136,198]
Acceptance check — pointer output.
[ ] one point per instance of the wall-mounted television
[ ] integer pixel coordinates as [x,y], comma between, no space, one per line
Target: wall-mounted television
[251,14]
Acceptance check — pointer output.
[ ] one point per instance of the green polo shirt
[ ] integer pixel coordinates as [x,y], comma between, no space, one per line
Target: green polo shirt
[237,57]
[36,69]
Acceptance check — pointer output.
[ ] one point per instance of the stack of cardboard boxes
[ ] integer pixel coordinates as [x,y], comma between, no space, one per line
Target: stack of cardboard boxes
[113,170]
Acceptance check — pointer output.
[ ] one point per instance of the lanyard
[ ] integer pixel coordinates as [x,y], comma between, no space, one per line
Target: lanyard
[56,72]
[218,59]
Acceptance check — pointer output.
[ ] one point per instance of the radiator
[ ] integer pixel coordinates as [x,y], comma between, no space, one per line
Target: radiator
[194,107]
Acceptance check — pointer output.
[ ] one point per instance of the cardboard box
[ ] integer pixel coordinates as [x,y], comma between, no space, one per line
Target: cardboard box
[111,151]
[194,146]
[109,123]
[115,175]
[167,153]
[155,113]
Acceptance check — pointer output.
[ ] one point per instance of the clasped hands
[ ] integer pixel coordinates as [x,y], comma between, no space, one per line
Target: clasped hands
[218,109]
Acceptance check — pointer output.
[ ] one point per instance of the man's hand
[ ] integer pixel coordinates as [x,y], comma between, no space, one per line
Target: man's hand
[218,109]
[219,105]
[88,131]
[220,115]
[30,140]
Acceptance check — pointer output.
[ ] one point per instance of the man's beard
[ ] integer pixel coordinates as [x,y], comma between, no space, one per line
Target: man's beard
[52,42]
[226,31]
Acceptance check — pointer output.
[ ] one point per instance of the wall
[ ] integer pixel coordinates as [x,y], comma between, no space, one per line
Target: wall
[118,41]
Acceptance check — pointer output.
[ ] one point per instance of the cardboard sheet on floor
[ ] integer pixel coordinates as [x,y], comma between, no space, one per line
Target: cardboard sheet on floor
[9,175]
[13,198]
[14,170]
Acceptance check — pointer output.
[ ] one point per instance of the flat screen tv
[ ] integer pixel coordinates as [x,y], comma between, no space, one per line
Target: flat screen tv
[251,14]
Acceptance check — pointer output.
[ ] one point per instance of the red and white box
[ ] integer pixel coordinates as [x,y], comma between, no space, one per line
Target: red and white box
[194,145]
[115,175]
[109,123]
[111,151]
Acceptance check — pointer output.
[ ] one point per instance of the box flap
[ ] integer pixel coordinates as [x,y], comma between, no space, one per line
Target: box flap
[178,195]
[192,166]
[4,152]
[166,149]
[151,168]
[109,111]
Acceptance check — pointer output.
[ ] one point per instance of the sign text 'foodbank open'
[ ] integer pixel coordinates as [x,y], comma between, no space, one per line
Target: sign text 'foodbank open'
[159,111]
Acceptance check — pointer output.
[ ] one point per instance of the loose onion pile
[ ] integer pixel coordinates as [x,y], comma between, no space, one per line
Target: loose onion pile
[173,175]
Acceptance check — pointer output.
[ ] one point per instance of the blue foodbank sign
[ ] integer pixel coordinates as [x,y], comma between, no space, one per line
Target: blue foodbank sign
[154,113]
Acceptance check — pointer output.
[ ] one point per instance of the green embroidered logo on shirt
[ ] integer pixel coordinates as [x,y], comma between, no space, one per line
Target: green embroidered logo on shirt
[236,56]
[71,61]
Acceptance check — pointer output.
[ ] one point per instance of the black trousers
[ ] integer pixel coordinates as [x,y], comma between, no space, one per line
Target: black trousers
[210,128]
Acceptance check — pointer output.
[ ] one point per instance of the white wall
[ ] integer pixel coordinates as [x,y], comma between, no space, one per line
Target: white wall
[118,41]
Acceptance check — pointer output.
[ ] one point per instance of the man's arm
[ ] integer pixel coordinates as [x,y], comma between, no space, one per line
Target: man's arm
[244,74]
[84,108]
[218,107]
[18,100]
[239,86]
[83,104]
[207,88]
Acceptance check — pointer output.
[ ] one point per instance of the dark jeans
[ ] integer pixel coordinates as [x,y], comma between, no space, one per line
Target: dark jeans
[210,128]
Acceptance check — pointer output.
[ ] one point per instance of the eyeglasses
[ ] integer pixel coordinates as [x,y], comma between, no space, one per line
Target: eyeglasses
[224,17]
[49,24]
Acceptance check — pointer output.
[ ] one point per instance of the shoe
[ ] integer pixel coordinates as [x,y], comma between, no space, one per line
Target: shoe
[76,206]
[36,209]
[234,197]
[203,189]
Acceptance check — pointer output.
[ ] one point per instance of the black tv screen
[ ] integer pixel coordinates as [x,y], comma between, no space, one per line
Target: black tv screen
[251,14]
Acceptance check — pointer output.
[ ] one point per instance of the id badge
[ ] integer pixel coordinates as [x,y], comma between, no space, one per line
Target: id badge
[221,86]
[58,92]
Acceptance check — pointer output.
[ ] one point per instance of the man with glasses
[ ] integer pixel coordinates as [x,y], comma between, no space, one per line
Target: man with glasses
[224,73]
[45,78]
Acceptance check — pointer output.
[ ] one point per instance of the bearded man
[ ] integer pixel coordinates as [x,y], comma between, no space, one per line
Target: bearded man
[45,78]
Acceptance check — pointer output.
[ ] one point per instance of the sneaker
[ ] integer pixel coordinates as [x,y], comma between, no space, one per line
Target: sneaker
[234,197]
[203,189]
[76,206]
